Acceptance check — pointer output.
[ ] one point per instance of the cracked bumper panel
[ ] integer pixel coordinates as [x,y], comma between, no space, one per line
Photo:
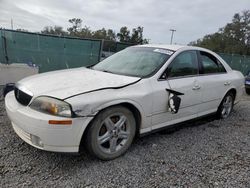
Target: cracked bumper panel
[33,127]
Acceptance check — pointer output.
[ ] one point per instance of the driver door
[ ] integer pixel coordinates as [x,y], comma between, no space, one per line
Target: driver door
[177,94]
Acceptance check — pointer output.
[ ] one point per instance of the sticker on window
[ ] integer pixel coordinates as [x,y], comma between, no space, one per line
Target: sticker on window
[164,51]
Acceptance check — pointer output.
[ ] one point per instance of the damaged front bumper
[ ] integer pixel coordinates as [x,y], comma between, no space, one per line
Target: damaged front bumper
[33,127]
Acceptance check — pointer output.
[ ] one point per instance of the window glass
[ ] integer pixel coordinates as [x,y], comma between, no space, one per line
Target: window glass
[184,64]
[211,64]
[135,61]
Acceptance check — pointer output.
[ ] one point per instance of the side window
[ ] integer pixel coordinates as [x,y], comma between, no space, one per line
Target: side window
[210,64]
[185,64]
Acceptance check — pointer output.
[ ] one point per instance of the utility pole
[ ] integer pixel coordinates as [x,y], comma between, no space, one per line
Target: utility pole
[172,35]
[11,22]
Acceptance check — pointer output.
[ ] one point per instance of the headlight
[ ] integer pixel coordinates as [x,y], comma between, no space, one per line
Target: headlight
[51,106]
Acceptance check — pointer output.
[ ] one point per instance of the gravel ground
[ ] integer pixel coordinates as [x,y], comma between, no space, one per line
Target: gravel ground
[204,153]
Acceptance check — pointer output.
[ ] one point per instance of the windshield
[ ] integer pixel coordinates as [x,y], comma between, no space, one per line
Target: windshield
[135,61]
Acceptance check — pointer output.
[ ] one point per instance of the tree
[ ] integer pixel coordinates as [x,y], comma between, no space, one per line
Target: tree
[85,32]
[124,34]
[136,37]
[23,30]
[233,38]
[76,30]
[111,35]
[100,34]
[104,34]
[54,30]
[76,26]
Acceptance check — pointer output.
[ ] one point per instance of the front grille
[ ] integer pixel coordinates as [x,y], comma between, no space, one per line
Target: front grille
[22,97]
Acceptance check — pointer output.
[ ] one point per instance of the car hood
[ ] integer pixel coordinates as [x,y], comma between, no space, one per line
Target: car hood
[66,83]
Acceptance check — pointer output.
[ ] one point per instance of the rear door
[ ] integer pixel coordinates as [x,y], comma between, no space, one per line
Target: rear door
[214,82]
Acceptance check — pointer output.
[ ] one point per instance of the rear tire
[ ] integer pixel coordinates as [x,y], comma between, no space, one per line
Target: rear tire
[111,133]
[226,106]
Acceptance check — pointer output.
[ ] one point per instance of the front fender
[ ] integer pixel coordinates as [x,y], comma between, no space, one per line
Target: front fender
[120,101]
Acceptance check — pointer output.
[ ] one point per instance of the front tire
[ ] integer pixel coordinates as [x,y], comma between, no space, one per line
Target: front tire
[111,133]
[226,106]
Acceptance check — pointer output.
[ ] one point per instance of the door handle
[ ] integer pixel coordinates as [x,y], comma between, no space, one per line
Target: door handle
[197,87]
[227,83]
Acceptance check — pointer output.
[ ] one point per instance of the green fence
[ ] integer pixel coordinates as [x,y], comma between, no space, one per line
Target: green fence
[113,46]
[237,62]
[46,51]
[120,46]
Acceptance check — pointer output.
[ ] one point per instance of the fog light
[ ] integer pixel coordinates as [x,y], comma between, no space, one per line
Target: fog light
[36,141]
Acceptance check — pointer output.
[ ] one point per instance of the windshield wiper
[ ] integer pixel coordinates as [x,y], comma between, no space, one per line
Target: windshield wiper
[91,66]
[107,71]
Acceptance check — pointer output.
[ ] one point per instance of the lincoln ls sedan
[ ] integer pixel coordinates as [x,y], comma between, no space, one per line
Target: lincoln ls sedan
[133,92]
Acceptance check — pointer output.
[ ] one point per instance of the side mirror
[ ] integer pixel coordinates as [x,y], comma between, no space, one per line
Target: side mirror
[165,74]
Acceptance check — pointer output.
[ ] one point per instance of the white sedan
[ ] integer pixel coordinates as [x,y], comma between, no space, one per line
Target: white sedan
[136,91]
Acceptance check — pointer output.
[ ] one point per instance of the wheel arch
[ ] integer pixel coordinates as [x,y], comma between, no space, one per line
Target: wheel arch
[133,107]
[136,113]
[231,90]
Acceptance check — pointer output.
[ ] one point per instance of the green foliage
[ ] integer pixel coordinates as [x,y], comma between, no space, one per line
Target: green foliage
[136,37]
[233,38]
[104,34]
[76,26]
[22,30]
[76,30]
[84,32]
[56,30]
[124,34]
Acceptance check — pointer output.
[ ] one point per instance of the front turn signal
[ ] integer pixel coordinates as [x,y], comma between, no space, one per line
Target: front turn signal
[60,122]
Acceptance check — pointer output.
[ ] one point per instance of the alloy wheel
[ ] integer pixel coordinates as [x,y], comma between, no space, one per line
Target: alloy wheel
[113,133]
[227,106]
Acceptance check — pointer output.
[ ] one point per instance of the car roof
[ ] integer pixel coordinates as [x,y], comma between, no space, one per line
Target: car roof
[174,47]
[164,46]
[182,47]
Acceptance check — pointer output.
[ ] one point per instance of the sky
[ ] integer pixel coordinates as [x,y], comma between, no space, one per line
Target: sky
[191,19]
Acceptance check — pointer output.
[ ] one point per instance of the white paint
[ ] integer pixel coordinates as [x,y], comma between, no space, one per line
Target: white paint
[65,83]
[54,137]
[148,95]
